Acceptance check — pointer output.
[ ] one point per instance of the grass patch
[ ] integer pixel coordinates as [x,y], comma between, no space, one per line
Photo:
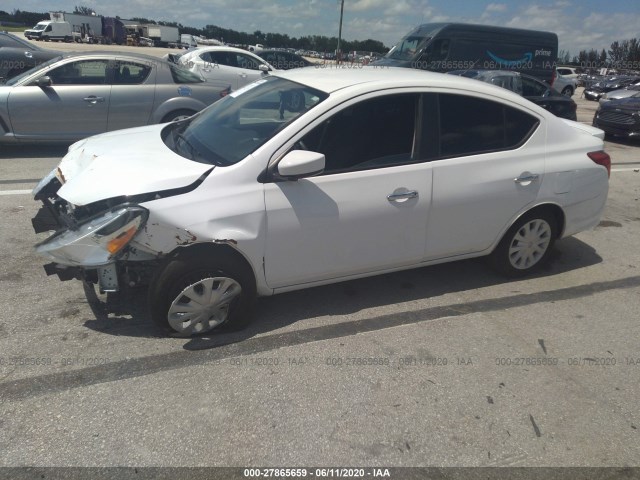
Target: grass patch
[12,29]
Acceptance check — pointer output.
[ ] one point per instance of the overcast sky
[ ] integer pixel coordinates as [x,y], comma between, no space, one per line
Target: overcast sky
[580,25]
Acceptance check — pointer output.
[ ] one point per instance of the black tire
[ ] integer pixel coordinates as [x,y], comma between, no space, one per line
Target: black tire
[172,293]
[526,245]
[568,91]
[177,115]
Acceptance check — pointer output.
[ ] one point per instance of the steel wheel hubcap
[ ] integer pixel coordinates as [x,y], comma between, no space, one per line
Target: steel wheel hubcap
[529,244]
[203,305]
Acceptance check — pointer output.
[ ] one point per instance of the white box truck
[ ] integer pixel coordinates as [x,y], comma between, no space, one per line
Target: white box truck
[50,30]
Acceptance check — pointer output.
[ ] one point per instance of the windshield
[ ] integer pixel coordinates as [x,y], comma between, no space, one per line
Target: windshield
[15,80]
[407,47]
[232,128]
[40,26]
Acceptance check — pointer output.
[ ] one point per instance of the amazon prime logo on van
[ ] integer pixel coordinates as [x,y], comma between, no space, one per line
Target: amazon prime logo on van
[543,53]
[511,63]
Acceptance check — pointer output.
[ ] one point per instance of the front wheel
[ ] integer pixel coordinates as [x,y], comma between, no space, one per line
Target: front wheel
[193,296]
[526,245]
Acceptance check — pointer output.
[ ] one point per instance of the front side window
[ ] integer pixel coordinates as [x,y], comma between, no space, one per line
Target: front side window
[232,128]
[83,72]
[374,133]
[228,59]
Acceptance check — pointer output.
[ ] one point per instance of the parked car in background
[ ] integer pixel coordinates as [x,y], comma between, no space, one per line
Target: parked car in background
[619,117]
[626,92]
[73,96]
[283,60]
[230,65]
[527,86]
[568,71]
[565,85]
[18,55]
[367,171]
[609,84]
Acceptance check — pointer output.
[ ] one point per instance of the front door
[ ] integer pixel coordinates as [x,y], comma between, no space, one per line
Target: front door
[367,212]
[75,106]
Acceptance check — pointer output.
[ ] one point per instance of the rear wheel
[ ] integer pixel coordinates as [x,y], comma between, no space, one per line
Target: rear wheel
[526,245]
[177,115]
[197,295]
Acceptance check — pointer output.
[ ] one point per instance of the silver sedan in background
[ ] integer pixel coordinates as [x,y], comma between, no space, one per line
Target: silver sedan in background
[74,96]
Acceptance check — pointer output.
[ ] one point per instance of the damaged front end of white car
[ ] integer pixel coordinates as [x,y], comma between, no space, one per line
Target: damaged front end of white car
[101,230]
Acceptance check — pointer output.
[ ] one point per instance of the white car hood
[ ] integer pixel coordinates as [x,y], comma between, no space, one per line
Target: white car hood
[125,162]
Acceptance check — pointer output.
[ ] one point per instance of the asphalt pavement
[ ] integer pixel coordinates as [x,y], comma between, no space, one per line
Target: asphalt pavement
[445,366]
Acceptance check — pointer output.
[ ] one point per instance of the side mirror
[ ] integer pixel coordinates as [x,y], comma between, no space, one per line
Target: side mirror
[299,164]
[264,68]
[44,81]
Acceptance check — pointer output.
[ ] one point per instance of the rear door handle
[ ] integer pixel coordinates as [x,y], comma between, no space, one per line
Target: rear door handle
[394,197]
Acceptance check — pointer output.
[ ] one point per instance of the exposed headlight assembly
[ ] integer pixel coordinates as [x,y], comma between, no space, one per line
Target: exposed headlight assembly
[97,241]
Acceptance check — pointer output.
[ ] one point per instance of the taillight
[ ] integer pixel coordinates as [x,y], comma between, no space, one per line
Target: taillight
[601,158]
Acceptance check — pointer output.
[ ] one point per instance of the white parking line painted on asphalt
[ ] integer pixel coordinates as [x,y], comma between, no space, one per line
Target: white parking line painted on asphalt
[632,169]
[15,192]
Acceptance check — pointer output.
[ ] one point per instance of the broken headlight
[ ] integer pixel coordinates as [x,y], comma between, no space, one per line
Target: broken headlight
[98,240]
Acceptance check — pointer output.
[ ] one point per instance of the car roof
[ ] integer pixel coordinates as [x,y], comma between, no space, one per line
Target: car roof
[331,78]
[224,48]
[102,53]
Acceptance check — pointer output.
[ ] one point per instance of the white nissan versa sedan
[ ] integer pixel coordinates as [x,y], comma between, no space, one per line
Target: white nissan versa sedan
[314,176]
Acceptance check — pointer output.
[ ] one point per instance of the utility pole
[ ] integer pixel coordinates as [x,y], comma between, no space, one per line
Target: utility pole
[339,53]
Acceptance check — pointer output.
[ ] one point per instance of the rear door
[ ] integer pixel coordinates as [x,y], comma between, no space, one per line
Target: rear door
[488,166]
[132,93]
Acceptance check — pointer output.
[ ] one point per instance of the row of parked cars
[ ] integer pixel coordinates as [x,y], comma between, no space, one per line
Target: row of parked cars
[172,93]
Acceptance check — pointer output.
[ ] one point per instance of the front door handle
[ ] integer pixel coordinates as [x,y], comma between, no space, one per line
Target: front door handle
[93,99]
[526,177]
[395,197]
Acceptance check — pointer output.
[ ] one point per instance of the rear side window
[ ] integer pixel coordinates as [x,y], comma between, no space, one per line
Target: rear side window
[128,73]
[470,125]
